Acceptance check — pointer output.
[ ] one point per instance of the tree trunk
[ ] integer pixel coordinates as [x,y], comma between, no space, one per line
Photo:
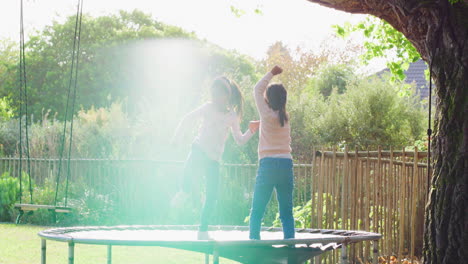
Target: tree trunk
[439,31]
[446,222]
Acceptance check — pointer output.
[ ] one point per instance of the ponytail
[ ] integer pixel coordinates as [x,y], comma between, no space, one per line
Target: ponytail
[277,97]
[283,116]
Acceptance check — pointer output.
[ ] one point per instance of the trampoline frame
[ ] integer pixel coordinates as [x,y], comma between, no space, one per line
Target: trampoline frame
[342,237]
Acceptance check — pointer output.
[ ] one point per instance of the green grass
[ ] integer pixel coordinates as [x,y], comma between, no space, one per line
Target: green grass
[20,244]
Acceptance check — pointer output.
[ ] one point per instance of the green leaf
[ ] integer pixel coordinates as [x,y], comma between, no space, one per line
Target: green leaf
[237,11]
[383,41]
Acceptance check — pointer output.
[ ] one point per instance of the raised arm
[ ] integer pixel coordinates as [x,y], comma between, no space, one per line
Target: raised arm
[240,138]
[259,90]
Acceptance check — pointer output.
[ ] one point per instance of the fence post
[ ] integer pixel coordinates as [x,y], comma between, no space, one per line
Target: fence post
[344,188]
[312,193]
[331,191]
[355,198]
[379,191]
[402,205]
[320,197]
[414,201]
[390,193]
[368,202]
[320,192]
[375,259]
[335,190]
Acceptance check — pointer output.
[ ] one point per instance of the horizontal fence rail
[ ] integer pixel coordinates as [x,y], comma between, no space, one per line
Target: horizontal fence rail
[377,191]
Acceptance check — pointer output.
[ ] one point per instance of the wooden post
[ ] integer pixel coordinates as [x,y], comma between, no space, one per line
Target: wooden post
[384,205]
[9,168]
[390,212]
[355,187]
[320,193]
[336,186]
[368,202]
[378,186]
[361,188]
[414,199]
[327,196]
[375,259]
[354,199]
[402,206]
[43,251]
[312,193]
[344,193]
[12,169]
[320,196]
[397,194]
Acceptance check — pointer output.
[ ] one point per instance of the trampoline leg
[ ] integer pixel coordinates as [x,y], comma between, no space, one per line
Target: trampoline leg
[375,260]
[207,258]
[71,253]
[109,254]
[215,255]
[43,251]
[344,254]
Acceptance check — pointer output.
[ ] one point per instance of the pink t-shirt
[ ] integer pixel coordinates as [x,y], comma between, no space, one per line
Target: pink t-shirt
[274,140]
[214,129]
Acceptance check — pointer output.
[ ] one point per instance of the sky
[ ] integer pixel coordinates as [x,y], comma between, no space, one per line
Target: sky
[294,22]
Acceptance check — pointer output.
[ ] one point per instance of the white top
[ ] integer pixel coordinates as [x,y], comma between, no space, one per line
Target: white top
[214,129]
[274,140]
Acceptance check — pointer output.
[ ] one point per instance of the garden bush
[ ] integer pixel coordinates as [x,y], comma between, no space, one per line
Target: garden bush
[9,187]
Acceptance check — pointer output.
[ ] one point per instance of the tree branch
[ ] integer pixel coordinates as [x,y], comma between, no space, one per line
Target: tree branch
[352,6]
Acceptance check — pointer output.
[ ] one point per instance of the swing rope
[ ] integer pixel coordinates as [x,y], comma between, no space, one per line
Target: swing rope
[23,110]
[74,99]
[72,82]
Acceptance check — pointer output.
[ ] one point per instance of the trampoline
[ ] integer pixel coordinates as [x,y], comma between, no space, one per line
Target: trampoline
[230,242]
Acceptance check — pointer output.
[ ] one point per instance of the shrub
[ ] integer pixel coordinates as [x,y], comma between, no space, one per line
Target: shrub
[9,187]
[332,77]
[6,109]
[371,113]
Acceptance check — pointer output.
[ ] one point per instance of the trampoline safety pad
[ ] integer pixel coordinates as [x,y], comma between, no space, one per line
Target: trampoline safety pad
[230,242]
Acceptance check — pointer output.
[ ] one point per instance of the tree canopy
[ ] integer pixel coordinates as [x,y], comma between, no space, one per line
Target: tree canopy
[114,61]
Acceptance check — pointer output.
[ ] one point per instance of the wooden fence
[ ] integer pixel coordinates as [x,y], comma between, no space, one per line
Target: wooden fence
[377,191]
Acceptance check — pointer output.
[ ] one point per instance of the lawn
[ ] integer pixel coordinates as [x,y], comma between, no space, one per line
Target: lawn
[20,244]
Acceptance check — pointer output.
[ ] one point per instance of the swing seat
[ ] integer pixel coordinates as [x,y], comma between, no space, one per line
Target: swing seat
[30,208]
[34,207]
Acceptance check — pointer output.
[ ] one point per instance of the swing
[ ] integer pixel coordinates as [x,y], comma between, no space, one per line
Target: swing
[30,207]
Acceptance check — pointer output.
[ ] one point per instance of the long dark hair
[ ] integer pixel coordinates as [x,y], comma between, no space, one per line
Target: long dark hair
[277,97]
[236,100]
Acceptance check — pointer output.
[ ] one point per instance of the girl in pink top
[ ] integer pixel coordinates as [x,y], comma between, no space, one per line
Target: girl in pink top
[218,117]
[275,169]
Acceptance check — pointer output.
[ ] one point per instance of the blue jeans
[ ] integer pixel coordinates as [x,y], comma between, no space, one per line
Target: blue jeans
[199,164]
[273,173]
